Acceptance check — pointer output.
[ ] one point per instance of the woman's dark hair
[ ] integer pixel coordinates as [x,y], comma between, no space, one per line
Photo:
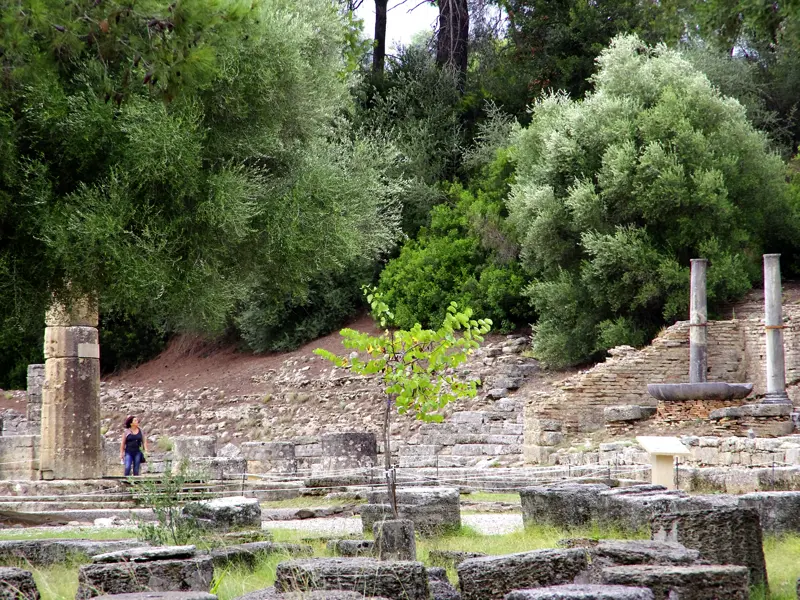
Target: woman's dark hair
[128,421]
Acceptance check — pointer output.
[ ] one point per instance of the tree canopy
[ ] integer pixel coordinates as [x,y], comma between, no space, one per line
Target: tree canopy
[168,157]
[615,193]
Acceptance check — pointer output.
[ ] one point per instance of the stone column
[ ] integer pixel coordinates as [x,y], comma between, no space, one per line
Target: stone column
[71,445]
[34,394]
[698,321]
[773,321]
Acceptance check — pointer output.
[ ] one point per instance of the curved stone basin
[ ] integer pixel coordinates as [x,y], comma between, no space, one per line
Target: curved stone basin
[710,390]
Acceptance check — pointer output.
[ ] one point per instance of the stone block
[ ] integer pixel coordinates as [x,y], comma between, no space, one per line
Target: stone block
[724,536]
[189,447]
[164,576]
[698,582]
[248,554]
[270,457]
[469,417]
[418,450]
[492,577]
[395,580]
[216,468]
[43,553]
[17,584]
[582,592]
[451,558]
[439,586]
[537,455]
[71,342]
[145,554]
[394,539]
[347,451]
[563,506]
[545,438]
[236,512]
[313,450]
[351,547]
[432,509]
[19,456]
[621,413]
[778,512]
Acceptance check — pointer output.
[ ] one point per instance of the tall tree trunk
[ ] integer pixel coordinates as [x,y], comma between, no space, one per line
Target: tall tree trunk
[451,43]
[379,53]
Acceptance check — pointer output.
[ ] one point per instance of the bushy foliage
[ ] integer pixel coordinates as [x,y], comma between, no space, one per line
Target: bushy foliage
[615,193]
[170,158]
[414,105]
[271,324]
[468,254]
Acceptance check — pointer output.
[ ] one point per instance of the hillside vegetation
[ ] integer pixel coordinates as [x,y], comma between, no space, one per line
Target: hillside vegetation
[238,171]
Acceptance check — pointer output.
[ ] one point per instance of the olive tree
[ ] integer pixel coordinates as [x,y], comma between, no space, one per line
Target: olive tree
[616,192]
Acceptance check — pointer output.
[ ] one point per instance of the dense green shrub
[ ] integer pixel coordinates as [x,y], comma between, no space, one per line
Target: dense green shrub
[615,193]
[467,255]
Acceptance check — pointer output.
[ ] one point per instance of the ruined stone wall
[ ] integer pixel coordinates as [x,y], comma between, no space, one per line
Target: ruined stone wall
[736,354]
[578,401]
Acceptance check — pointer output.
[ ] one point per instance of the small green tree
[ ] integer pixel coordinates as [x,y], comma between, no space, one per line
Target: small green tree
[416,366]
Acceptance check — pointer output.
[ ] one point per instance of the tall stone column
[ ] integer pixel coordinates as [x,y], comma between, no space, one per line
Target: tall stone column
[773,321]
[698,321]
[71,445]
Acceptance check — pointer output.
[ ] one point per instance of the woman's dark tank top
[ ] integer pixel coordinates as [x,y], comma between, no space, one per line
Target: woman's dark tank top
[133,441]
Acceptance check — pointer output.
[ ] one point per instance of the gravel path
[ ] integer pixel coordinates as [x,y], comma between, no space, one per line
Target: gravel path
[484,523]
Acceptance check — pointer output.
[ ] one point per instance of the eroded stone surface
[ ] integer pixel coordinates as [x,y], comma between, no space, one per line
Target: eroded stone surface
[396,580]
[49,552]
[163,576]
[433,510]
[17,584]
[492,577]
[146,554]
[723,536]
[450,558]
[582,592]
[562,506]
[700,582]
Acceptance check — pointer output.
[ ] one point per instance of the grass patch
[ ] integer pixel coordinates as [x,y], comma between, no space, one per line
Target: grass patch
[237,580]
[783,565]
[308,502]
[511,498]
[59,582]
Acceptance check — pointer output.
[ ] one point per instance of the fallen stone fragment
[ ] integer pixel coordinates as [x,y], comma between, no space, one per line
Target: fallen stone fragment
[582,592]
[146,554]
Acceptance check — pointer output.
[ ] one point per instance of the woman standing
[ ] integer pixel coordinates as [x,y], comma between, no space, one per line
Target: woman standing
[130,450]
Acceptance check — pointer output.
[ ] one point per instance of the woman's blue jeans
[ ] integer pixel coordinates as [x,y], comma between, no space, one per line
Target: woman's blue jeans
[132,461]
